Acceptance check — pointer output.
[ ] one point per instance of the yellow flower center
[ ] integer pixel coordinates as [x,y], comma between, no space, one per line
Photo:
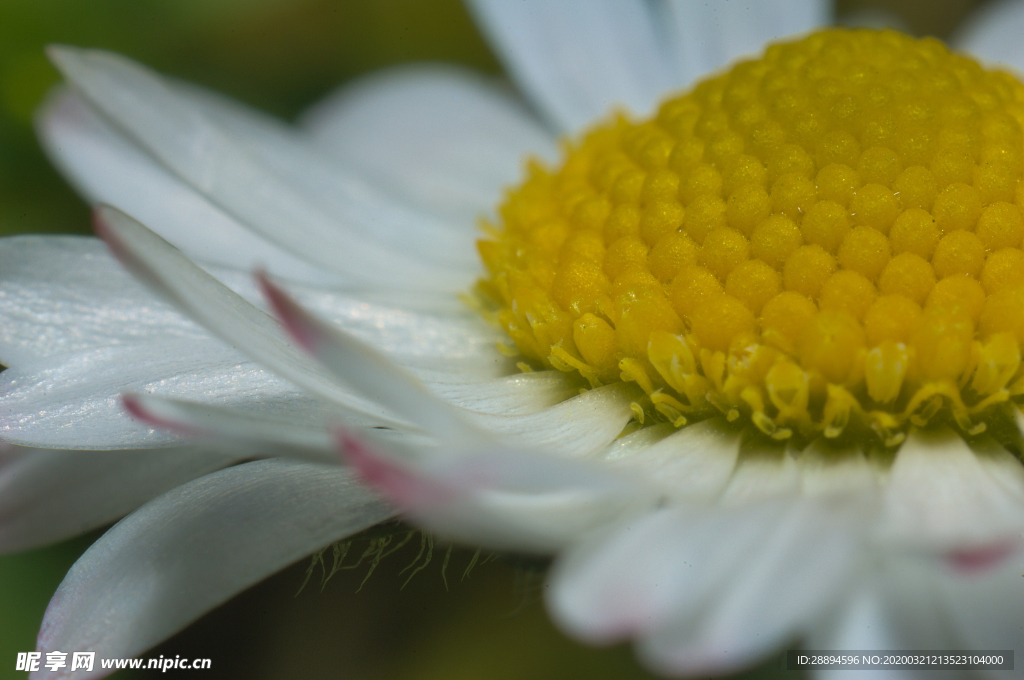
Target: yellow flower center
[823,239]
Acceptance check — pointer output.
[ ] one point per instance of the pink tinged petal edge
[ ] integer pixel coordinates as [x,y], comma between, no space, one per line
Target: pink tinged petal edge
[97,333]
[499,498]
[985,607]
[133,404]
[196,546]
[604,410]
[303,329]
[981,559]
[221,311]
[366,370]
[395,482]
[256,435]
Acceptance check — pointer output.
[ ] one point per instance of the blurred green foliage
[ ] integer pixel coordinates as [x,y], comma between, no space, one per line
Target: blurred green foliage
[279,55]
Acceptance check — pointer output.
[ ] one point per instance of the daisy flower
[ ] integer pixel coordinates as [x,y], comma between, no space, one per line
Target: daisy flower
[760,337]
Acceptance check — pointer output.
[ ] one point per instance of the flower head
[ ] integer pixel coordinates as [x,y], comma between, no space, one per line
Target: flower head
[797,276]
[822,240]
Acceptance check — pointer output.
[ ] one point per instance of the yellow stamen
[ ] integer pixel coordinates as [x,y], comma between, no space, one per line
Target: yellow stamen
[826,236]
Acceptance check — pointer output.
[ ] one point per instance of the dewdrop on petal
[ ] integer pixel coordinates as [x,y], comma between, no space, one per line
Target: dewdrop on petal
[824,240]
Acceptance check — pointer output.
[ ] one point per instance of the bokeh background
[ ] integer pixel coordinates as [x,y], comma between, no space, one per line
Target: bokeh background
[281,56]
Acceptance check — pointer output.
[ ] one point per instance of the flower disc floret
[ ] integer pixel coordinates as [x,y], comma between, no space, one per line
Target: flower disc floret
[843,215]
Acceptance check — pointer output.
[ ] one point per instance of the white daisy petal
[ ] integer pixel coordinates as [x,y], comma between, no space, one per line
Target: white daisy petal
[124,594]
[77,331]
[327,184]
[366,370]
[940,496]
[573,428]
[613,587]
[577,60]
[763,471]
[107,168]
[1002,466]
[916,616]
[443,139]
[705,36]
[498,497]
[707,591]
[693,464]
[858,624]
[222,311]
[826,470]
[441,339]
[787,577]
[985,603]
[862,623]
[67,294]
[202,421]
[440,348]
[47,496]
[606,410]
[623,449]
[75,401]
[510,395]
[303,436]
[993,34]
[236,178]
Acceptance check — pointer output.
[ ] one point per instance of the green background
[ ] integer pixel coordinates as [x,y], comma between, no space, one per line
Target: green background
[282,55]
